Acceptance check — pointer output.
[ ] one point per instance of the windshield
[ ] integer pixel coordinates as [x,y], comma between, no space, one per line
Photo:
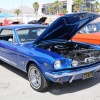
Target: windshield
[91,28]
[29,34]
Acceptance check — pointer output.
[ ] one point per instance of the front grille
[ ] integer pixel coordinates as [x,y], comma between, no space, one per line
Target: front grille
[88,61]
[88,58]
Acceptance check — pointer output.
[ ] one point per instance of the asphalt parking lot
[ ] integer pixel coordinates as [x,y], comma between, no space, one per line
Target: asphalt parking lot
[14,85]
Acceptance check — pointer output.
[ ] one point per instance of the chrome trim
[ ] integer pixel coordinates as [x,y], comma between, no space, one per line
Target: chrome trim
[72,73]
[8,61]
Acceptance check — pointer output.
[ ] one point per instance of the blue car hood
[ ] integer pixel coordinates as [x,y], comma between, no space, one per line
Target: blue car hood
[67,26]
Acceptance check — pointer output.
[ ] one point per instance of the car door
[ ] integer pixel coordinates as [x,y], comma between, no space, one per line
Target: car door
[8,47]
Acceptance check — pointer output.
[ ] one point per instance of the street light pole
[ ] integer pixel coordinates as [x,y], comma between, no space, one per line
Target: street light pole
[90,6]
[49,11]
[21,12]
[13,6]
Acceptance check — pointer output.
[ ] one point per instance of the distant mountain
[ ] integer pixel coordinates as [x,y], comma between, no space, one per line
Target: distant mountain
[3,10]
[25,10]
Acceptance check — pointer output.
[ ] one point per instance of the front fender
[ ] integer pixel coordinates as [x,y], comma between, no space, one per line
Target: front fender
[42,65]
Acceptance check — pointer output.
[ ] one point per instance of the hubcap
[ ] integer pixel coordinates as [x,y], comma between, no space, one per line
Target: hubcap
[35,77]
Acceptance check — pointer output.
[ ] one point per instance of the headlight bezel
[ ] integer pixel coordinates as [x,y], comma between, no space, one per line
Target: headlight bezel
[57,64]
[74,63]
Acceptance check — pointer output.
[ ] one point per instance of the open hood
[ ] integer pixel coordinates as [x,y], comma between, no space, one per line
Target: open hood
[67,26]
[41,20]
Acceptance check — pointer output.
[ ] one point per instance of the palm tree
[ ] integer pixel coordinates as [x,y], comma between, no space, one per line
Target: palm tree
[87,9]
[36,7]
[51,10]
[64,11]
[56,5]
[96,6]
[75,8]
[17,12]
[77,4]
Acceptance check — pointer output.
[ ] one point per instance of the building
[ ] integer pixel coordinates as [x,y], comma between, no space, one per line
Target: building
[68,4]
[89,4]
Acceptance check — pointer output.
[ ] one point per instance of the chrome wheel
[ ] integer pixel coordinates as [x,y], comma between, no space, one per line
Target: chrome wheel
[35,77]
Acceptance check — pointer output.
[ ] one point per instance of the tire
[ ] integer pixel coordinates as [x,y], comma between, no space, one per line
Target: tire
[36,78]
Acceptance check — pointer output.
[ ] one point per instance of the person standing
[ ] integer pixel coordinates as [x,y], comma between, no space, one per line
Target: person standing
[5,21]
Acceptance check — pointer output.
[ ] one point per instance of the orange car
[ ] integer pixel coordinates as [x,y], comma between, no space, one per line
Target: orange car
[90,34]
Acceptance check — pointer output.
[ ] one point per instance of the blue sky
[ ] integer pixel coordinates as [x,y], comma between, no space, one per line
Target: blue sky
[10,4]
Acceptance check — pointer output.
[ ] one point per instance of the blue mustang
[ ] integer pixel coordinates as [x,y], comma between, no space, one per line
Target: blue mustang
[48,53]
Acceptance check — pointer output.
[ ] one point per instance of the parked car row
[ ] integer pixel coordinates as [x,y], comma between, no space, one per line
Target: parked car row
[40,21]
[9,22]
[46,53]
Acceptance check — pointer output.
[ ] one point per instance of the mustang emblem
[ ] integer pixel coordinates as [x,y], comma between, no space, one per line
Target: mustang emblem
[22,63]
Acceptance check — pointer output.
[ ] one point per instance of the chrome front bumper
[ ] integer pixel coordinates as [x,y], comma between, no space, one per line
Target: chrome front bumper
[96,68]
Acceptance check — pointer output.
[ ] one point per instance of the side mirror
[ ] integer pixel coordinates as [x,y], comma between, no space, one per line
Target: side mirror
[10,40]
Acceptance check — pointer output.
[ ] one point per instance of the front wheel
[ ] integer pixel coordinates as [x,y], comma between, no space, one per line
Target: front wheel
[36,78]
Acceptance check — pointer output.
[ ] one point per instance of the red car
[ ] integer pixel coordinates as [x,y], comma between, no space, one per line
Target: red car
[9,22]
[89,34]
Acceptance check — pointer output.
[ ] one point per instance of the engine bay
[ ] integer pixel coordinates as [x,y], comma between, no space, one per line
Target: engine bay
[84,54]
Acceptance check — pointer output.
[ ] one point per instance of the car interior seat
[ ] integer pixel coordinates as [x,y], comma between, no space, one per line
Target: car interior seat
[32,35]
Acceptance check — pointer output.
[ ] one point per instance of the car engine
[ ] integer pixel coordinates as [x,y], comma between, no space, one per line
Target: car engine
[83,54]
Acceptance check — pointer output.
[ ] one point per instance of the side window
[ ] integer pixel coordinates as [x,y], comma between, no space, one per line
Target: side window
[6,32]
[7,35]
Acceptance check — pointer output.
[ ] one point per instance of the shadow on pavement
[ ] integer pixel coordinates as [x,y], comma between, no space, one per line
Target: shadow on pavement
[75,86]
[59,89]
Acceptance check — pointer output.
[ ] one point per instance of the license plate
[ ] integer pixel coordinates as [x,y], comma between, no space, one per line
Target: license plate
[88,75]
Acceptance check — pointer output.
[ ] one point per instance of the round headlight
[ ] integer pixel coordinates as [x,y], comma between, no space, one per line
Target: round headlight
[57,64]
[74,63]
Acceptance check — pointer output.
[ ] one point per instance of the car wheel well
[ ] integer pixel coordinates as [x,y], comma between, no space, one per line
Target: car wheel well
[28,64]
